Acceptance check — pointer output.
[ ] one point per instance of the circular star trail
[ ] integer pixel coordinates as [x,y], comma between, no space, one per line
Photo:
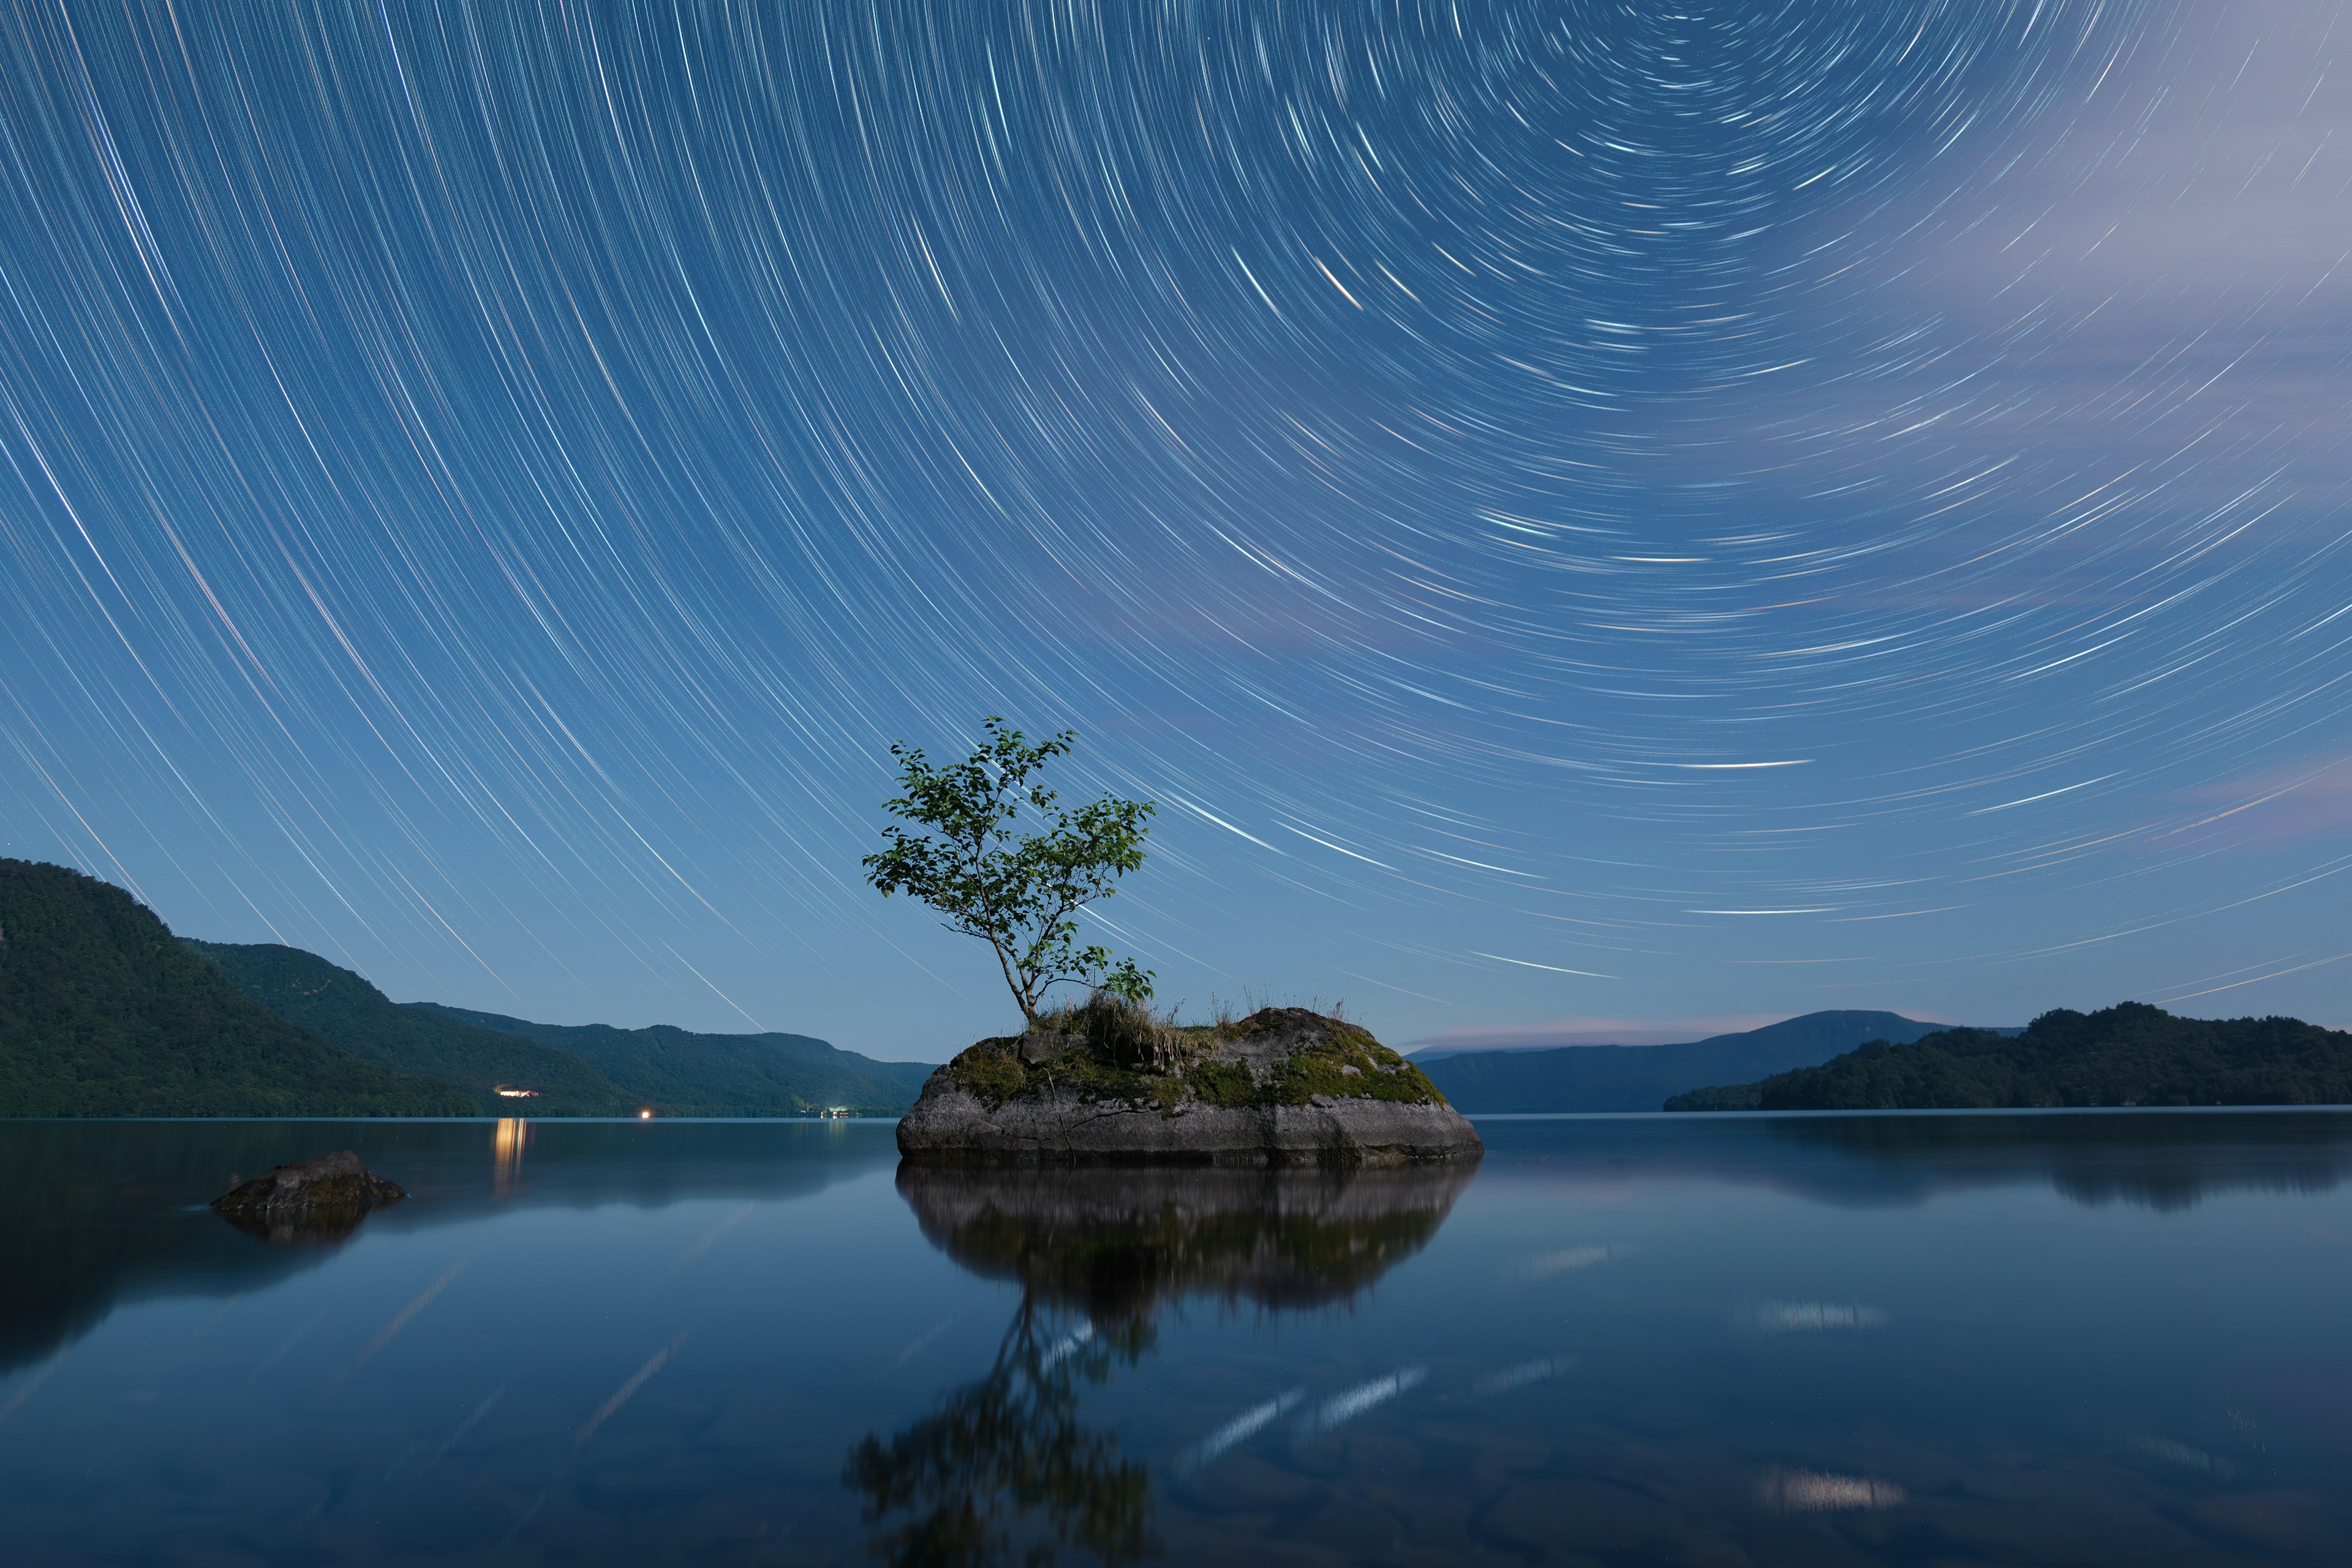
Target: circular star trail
[1578,511]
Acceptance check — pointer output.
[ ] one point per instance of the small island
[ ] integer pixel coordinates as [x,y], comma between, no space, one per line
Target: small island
[2128,1054]
[1109,1079]
[1105,1082]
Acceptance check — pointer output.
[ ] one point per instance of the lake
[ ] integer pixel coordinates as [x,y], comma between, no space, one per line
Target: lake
[2094,1338]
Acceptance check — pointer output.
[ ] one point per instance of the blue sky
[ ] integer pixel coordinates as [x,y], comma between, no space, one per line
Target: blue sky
[1594,522]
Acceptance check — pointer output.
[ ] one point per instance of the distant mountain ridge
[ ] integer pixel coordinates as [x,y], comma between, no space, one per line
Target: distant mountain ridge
[568,1070]
[1643,1077]
[103,1011]
[681,1073]
[2128,1054]
[344,1008]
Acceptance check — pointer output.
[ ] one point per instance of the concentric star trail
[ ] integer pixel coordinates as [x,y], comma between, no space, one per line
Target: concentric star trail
[1579,509]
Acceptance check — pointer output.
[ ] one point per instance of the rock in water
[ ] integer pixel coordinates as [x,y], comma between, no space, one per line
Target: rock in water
[326,1194]
[1282,1086]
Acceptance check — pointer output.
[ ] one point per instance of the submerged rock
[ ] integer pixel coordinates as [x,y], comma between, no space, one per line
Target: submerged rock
[320,1199]
[1284,1085]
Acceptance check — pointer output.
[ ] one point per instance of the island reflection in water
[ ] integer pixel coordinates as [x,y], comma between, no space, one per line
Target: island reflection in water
[2017,1339]
[1004,1470]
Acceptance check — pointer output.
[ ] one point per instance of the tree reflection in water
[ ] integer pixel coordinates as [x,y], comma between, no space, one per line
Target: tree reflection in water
[1003,1472]
[1008,1450]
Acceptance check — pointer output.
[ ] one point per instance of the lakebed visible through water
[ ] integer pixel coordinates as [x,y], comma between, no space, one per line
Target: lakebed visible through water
[1912,1339]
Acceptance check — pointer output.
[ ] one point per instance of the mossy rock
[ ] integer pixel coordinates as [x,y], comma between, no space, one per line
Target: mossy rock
[1284,1085]
[1277,1055]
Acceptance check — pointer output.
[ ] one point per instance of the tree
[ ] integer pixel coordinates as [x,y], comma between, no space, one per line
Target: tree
[1019,893]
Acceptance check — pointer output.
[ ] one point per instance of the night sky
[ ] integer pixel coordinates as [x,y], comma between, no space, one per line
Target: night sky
[1593,520]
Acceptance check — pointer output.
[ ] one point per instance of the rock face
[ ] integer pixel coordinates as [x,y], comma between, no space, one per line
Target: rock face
[1282,1086]
[316,1199]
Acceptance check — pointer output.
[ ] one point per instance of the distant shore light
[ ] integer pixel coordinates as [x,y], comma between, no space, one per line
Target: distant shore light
[646,1115]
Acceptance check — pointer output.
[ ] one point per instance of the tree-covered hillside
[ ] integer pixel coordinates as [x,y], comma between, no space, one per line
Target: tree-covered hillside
[681,1073]
[103,1011]
[1637,1077]
[345,1009]
[2131,1054]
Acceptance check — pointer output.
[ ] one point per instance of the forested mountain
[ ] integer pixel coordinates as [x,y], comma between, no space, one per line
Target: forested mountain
[344,1008]
[1639,1077]
[103,1011]
[681,1073]
[2130,1054]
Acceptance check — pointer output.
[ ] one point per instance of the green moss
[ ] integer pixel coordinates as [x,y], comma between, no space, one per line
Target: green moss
[1321,1069]
[989,1072]
[993,1072]
[1093,1078]
[1221,1083]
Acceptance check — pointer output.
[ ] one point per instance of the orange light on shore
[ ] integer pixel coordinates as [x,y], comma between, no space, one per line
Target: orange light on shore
[646,1115]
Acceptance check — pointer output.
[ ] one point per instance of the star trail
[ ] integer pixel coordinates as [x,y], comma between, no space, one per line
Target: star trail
[1583,514]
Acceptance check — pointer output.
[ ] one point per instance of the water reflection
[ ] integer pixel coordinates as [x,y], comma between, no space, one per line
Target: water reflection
[1003,1470]
[1624,1342]
[1808,1492]
[508,1138]
[321,1225]
[1120,1242]
[96,1213]
[100,1211]
[2164,1159]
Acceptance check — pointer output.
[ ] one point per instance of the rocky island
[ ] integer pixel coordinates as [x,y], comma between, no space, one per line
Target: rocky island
[1105,1083]
[1108,1079]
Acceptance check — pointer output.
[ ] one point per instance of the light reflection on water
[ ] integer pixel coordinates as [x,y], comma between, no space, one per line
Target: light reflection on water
[509,1141]
[2089,1338]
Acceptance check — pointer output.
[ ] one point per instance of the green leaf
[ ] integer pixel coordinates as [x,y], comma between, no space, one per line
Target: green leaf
[958,846]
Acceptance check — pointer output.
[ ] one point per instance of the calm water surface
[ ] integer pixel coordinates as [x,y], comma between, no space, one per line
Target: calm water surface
[1941,1340]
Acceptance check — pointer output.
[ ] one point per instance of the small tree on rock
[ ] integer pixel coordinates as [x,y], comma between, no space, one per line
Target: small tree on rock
[1019,893]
